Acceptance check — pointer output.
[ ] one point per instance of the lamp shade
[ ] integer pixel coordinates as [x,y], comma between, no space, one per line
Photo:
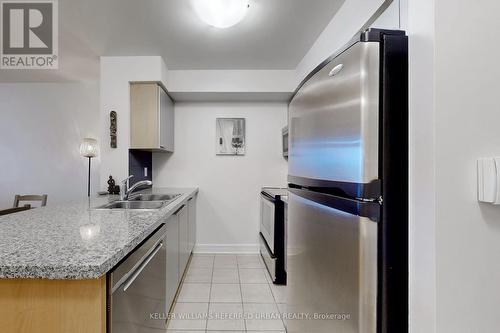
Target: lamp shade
[88,148]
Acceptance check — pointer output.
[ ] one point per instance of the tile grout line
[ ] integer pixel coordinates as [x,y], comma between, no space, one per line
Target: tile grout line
[241,293]
[210,293]
[276,304]
[270,283]
[239,283]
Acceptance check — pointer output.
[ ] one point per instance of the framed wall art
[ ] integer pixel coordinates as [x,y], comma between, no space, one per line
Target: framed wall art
[230,134]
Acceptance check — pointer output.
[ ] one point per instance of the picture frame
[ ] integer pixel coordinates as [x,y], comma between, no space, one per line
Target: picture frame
[230,136]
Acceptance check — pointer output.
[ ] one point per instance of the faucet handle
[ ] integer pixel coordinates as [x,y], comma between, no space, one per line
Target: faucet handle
[126,179]
[124,188]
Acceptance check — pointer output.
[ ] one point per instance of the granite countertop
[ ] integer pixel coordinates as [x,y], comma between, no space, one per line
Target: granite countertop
[73,241]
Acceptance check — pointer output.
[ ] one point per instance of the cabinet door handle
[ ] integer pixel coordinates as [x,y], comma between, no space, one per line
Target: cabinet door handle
[141,267]
[178,210]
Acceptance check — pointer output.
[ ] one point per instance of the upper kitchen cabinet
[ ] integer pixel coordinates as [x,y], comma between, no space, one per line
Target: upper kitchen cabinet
[151,117]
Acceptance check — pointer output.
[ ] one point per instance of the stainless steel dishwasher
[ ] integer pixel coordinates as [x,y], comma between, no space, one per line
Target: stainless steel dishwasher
[137,288]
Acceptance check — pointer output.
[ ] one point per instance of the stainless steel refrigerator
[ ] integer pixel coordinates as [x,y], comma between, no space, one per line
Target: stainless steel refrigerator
[347,242]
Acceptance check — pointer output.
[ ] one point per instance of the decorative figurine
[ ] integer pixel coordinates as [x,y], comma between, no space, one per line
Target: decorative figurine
[111,185]
[112,128]
[112,188]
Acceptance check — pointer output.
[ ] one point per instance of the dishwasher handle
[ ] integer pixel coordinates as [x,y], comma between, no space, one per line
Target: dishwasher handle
[141,267]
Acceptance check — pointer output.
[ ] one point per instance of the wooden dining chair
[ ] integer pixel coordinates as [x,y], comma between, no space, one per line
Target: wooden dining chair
[42,198]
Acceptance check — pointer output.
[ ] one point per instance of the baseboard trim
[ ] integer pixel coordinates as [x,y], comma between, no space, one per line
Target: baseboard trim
[227,248]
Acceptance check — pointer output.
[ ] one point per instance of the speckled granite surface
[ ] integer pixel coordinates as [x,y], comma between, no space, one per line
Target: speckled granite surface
[75,242]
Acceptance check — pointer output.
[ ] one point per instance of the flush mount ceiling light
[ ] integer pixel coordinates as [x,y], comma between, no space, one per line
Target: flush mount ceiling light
[221,13]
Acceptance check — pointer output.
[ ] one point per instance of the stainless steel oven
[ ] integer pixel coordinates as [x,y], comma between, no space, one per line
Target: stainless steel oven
[267,215]
[272,232]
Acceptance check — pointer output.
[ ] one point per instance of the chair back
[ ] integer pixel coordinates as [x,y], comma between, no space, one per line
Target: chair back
[19,198]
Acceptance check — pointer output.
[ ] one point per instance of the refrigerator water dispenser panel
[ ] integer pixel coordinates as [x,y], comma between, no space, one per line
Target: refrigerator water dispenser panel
[488,178]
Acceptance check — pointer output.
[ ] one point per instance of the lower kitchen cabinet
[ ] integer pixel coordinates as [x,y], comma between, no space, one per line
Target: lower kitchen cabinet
[191,223]
[184,251]
[173,274]
[128,298]
[181,227]
[55,306]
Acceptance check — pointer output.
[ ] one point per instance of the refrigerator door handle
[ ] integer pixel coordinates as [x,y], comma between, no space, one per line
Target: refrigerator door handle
[368,209]
[372,189]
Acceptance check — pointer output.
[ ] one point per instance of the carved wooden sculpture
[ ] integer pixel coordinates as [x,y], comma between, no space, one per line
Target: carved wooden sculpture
[112,128]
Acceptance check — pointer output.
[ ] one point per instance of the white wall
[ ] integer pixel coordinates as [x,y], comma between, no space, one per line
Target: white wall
[467,119]
[422,169]
[391,17]
[231,85]
[228,202]
[347,21]
[455,241]
[41,127]
[116,73]
[213,81]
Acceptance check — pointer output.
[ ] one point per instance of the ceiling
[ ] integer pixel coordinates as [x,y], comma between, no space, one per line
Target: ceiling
[275,34]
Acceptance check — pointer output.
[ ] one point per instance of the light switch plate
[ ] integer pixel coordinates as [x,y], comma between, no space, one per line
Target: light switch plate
[488,180]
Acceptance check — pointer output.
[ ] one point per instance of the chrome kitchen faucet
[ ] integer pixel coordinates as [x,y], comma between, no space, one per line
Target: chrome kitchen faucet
[125,191]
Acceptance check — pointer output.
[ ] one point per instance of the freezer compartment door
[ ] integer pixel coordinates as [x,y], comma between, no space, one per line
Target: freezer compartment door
[331,269]
[334,121]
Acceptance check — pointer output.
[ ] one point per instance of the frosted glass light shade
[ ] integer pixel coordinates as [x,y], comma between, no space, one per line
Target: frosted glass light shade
[220,13]
[88,148]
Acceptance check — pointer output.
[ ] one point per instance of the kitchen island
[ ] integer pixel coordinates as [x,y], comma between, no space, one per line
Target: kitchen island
[54,261]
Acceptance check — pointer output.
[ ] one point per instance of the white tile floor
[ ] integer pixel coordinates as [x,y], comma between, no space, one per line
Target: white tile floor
[227,293]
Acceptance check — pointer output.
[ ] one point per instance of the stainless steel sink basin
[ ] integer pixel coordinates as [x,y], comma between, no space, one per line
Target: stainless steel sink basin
[140,205]
[154,197]
[141,201]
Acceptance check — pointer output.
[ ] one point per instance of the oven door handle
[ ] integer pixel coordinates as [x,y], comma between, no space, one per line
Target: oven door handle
[271,254]
[267,197]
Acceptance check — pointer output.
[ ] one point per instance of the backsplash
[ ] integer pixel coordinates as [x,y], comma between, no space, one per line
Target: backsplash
[138,162]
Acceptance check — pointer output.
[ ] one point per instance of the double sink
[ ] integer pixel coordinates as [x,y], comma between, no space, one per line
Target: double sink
[141,202]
